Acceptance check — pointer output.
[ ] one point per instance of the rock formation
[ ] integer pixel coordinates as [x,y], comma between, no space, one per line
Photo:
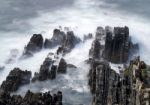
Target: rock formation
[69,43]
[31,98]
[66,41]
[131,86]
[47,71]
[35,44]
[57,39]
[95,51]
[15,79]
[118,45]
[62,67]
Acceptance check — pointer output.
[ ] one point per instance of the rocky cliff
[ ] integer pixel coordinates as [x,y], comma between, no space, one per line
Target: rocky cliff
[129,86]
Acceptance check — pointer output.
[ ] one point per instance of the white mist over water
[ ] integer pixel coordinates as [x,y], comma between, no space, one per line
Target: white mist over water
[82,17]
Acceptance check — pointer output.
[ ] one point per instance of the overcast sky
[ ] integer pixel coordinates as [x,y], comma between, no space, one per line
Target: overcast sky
[14,13]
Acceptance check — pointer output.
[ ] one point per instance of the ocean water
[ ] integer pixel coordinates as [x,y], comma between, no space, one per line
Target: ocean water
[20,19]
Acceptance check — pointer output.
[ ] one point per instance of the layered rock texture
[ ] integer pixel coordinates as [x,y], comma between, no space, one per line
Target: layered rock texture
[49,70]
[66,41]
[35,44]
[57,39]
[31,98]
[118,45]
[131,86]
[15,79]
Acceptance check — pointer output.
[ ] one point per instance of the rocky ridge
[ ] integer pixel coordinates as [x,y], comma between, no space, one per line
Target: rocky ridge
[130,87]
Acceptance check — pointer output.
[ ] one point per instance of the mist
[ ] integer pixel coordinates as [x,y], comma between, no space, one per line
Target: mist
[20,19]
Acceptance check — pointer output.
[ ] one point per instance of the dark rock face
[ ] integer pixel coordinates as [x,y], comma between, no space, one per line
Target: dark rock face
[15,79]
[103,83]
[57,39]
[31,99]
[117,45]
[70,42]
[62,67]
[35,44]
[131,86]
[47,71]
[95,50]
[66,41]
[106,81]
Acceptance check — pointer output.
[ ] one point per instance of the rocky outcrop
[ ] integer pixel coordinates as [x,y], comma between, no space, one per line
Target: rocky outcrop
[47,71]
[62,67]
[130,87]
[65,41]
[103,83]
[95,51]
[118,45]
[109,87]
[70,42]
[35,44]
[137,76]
[15,79]
[57,39]
[31,98]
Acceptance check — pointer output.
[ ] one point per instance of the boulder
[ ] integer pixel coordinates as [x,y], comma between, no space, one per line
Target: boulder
[16,78]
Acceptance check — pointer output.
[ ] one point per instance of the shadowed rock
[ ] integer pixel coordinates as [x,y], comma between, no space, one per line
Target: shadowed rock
[31,98]
[57,39]
[47,71]
[69,43]
[15,79]
[95,50]
[35,44]
[118,45]
[62,67]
